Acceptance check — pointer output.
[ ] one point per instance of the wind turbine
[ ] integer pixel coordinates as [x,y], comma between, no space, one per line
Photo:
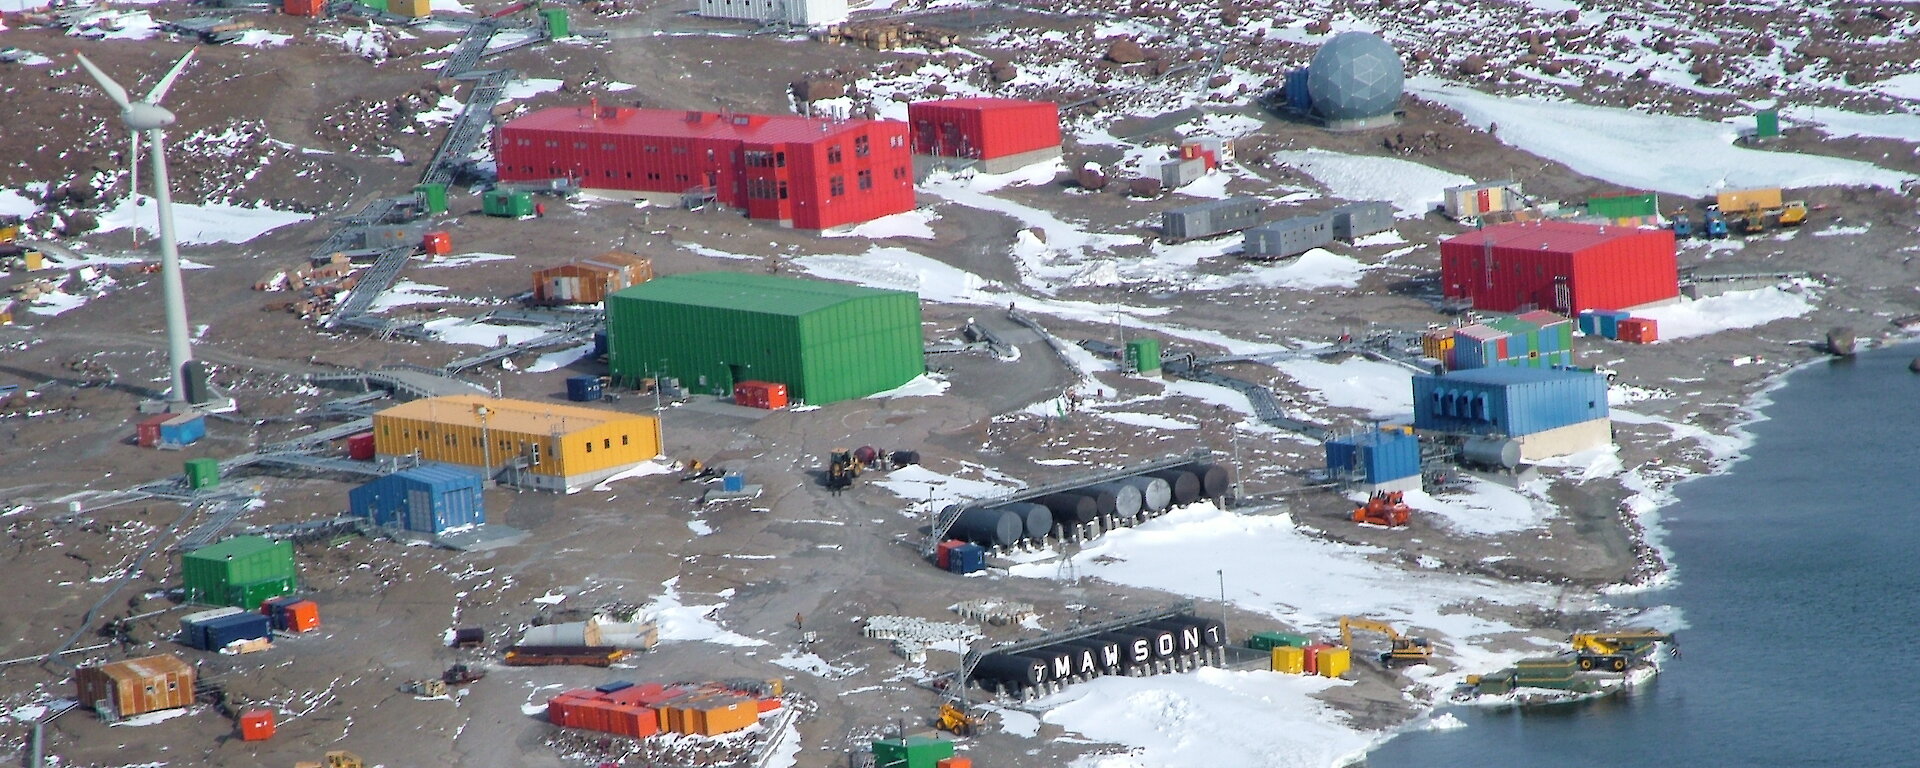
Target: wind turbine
[147,115]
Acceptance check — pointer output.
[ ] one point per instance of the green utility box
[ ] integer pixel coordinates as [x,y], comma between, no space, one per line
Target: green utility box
[508,203]
[433,197]
[1143,356]
[378,5]
[203,473]
[1766,124]
[911,752]
[1624,206]
[1267,641]
[241,572]
[556,19]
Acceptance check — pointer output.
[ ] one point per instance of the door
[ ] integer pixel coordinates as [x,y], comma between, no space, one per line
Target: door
[419,510]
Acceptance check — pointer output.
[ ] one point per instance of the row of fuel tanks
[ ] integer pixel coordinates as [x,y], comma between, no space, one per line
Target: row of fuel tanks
[1085,512]
[1179,643]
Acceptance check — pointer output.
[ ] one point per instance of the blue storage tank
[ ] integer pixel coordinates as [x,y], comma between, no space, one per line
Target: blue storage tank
[967,558]
[583,389]
[216,633]
[185,429]
[1379,456]
[430,498]
[1508,401]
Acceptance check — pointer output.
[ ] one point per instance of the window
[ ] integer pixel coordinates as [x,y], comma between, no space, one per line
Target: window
[833,153]
[553,144]
[861,148]
[652,149]
[759,159]
[173,685]
[679,150]
[579,145]
[837,186]
[783,190]
[449,437]
[779,159]
[623,439]
[606,147]
[897,141]
[900,173]
[589,446]
[866,179]
[680,177]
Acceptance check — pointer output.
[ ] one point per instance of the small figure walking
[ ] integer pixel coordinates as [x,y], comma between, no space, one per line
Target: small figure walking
[540,210]
[798,623]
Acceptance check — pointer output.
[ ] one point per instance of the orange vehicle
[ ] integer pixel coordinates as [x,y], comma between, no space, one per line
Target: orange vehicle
[1387,508]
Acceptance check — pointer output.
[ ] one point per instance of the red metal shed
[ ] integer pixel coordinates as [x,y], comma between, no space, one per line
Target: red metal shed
[803,172]
[983,129]
[1558,265]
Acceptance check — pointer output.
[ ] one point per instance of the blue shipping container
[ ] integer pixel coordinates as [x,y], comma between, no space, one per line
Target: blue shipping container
[1589,320]
[967,558]
[583,389]
[733,482]
[599,343]
[430,498]
[1378,456]
[1508,401]
[1298,99]
[185,429]
[1609,322]
[216,633]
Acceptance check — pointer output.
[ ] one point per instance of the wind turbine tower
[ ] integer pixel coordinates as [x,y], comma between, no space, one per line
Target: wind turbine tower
[147,115]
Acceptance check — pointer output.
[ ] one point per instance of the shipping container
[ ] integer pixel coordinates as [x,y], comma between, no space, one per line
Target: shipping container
[549,446]
[1563,266]
[1266,641]
[1589,322]
[911,752]
[203,473]
[1333,662]
[1356,220]
[556,21]
[954,762]
[437,243]
[826,342]
[1313,651]
[412,9]
[803,172]
[1742,201]
[378,5]
[132,687]
[1289,659]
[771,395]
[942,554]
[967,558]
[590,281]
[506,203]
[430,498]
[1208,219]
[304,7]
[292,614]
[1143,355]
[1287,238]
[1632,205]
[147,432]
[584,389]
[215,575]
[984,129]
[1374,456]
[1508,401]
[184,429]
[1437,344]
[1638,330]
[433,197]
[216,633]
[1179,173]
[256,724]
[1470,200]
[360,447]
[1608,322]
[733,482]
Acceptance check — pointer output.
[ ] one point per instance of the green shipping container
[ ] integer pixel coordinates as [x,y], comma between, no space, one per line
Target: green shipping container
[1267,641]
[1624,206]
[240,572]
[556,19]
[826,341]
[378,5]
[433,197]
[502,202]
[203,473]
[1143,355]
[913,752]
[1766,124]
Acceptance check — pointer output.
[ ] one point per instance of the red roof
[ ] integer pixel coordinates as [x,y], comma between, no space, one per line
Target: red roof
[1542,318]
[986,104]
[673,123]
[1480,332]
[1552,236]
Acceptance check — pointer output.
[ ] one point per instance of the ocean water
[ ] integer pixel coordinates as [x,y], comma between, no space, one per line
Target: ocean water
[1798,573]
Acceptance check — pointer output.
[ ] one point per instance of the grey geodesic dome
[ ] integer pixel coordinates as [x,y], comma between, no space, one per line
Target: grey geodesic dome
[1355,76]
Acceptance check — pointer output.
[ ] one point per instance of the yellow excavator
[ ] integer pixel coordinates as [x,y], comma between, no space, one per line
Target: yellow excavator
[1618,649]
[1415,650]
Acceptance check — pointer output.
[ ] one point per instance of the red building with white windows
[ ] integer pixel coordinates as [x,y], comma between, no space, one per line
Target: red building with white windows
[1003,134]
[1559,265]
[801,172]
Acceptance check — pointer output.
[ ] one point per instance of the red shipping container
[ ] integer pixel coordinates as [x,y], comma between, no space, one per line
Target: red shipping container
[983,129]
[360,447]
[1639,330]
[943,554]
[954,762]
[437,243]
[256,725]
[760,394]
[304,7]
[1313,657]
[1558,265]
[638,722]
[147,432]
[769,705]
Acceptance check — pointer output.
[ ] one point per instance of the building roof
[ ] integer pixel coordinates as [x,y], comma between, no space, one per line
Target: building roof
[611,261]
[984,104]
[682,124]
[440,475]
[1503,375]
[523,416]
[238,546]
[763,294]
[1541,318]
[146,667]
[1548,236]
[1480,332]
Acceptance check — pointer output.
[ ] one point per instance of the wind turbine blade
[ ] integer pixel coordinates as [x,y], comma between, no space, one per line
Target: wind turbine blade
[113,89]
[160,89]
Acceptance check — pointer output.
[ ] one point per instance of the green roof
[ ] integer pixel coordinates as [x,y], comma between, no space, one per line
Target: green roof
[1510,325]
[237,547]
[765,294]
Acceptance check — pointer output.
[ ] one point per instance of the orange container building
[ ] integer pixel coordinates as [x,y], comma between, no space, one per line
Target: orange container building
[135,686]
[1639,330]
[256,725]
[304,7]
[437,243]
[770,395]
[588,281]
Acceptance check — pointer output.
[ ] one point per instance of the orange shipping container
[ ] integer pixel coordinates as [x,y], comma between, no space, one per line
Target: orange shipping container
[437,243]
[304,7]
[136,686]
[954,762]
[256,725]
[1639,330]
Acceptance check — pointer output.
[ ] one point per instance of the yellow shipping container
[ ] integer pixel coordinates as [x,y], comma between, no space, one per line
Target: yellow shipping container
[540,445]
[1289,659]
[417,9]
[1334,662]
[1437,343]
[1743,200]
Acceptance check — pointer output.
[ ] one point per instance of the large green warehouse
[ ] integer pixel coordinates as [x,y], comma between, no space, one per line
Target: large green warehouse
[826,341]
[241,571]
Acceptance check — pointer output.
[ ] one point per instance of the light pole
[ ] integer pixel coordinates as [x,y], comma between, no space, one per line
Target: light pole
[1222,573]
[486,442]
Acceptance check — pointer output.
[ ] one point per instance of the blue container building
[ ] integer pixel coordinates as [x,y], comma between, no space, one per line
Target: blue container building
[583,389]
[1607,322]
[185,429]
[1376,457]
[1508,401]
[430,498]
[216,633]
[967,558]
[1298,99]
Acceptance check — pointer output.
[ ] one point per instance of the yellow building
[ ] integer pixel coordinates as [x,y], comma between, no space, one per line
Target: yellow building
[537,445]
[418,9]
